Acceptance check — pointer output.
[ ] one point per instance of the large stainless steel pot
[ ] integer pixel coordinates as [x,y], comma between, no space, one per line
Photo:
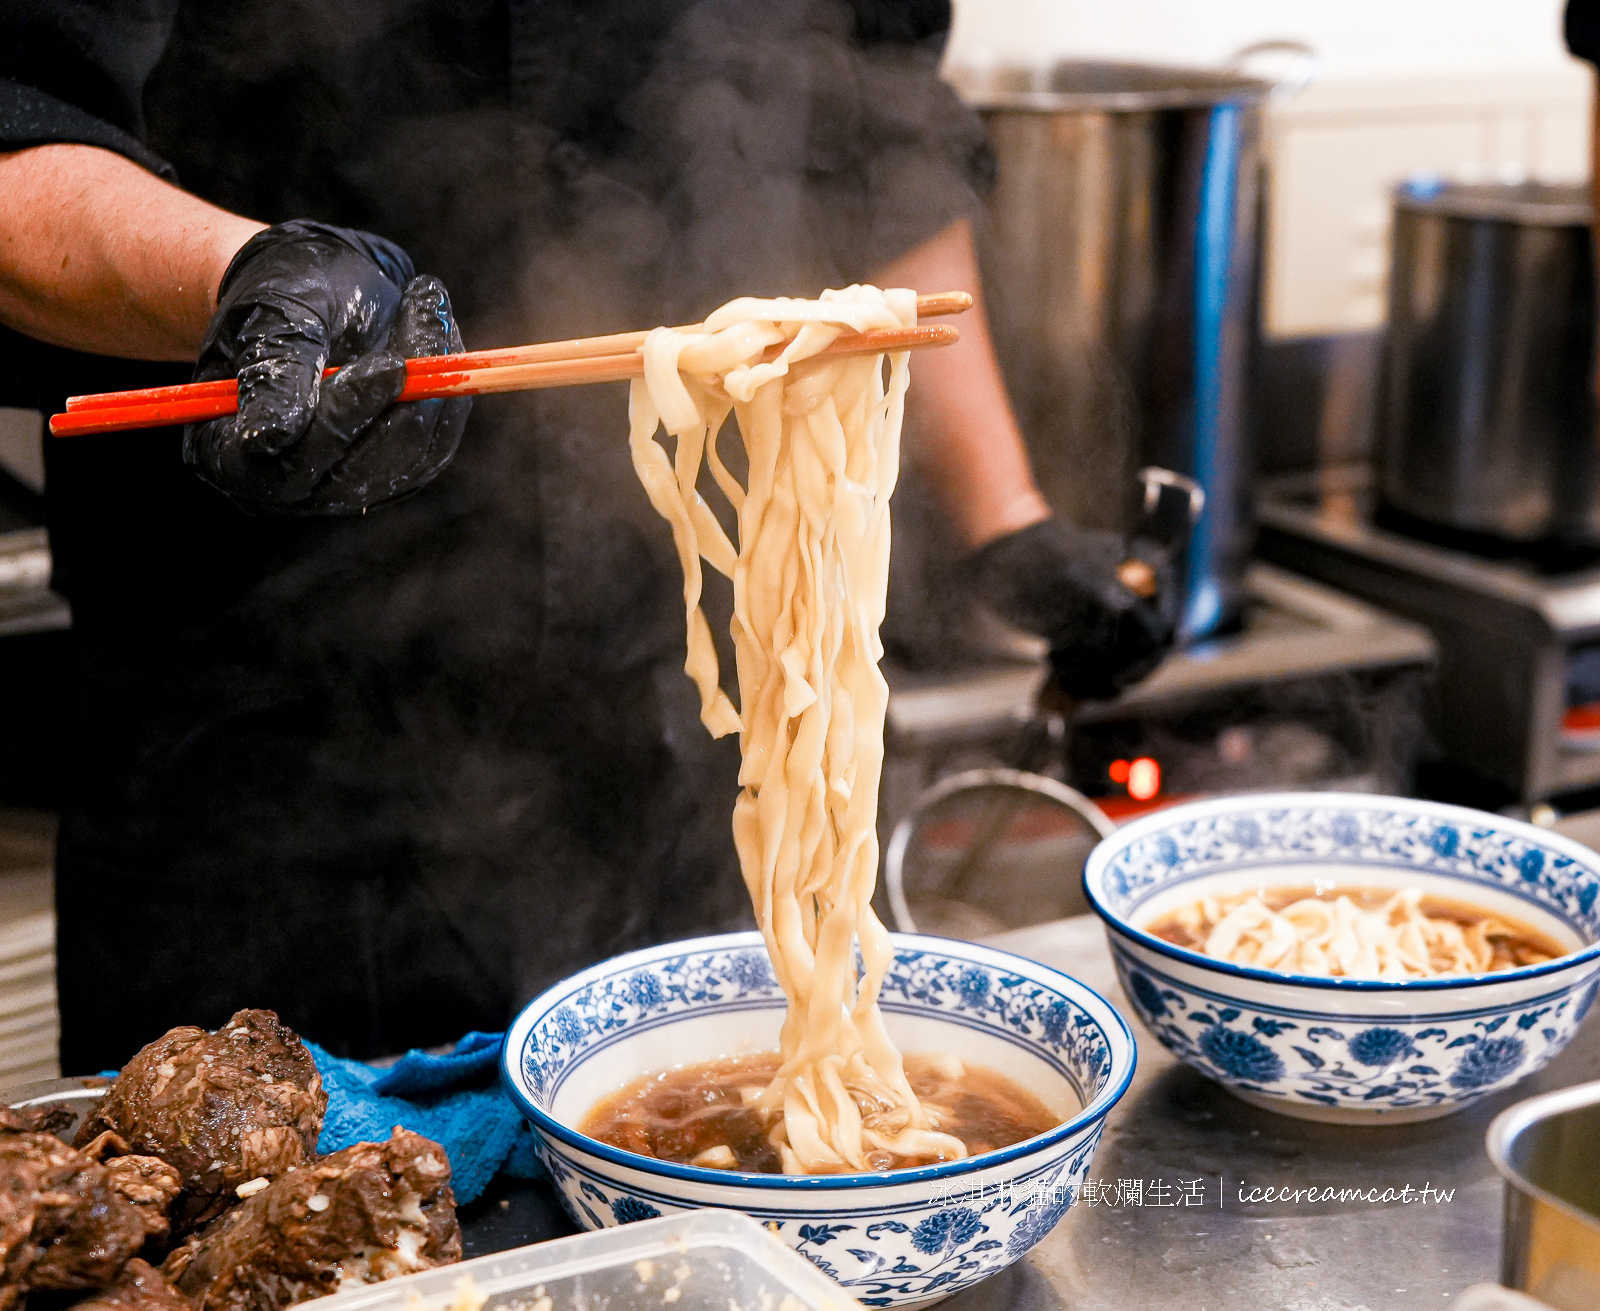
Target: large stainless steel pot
[1121,265]
[1485,413]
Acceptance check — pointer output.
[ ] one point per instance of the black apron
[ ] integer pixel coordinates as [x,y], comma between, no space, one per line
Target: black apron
[390,776]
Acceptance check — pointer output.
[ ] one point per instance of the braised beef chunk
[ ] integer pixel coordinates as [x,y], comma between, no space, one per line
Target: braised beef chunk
[223,1108]
[367,1213]
[62,1223]
[140,1287]
[151,1185]
[53,1118]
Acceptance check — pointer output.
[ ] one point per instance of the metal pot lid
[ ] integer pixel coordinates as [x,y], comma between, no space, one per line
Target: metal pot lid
[1088,87]
[1545,204]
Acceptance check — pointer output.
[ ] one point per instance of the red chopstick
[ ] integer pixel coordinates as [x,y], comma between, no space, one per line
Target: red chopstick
[511,368]
[186,391]
[441,375]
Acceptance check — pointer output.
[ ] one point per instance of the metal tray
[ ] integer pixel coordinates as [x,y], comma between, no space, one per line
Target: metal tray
[80,1094]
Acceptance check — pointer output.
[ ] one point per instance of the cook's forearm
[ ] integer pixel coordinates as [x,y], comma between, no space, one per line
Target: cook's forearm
[100,255]
[1594,195]
[971,449]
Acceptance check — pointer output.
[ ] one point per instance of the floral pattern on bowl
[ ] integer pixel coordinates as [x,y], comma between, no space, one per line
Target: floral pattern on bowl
[902,1239]
[910,1259]
[1343,1049]
[1353,1061]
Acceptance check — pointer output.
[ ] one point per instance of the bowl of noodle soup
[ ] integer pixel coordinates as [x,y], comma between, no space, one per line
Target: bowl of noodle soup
[1350,958]
[890,1238]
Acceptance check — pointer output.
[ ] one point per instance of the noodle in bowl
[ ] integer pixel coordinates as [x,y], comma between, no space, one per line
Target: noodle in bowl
[915,1235]
[1324,1045]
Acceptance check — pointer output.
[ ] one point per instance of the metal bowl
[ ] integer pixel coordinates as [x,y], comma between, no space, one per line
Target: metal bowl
[1548,1150]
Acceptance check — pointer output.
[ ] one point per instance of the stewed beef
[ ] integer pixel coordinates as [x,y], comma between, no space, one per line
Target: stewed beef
[63,1223]
[224,1108]
[211,1137]
[140,1287]
[146,1181]
[361,1215]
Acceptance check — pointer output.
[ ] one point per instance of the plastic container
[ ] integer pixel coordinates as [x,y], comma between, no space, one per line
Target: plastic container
[706,1261]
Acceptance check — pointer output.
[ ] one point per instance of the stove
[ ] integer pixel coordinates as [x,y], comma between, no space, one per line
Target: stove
[1516,706]
[1317,690]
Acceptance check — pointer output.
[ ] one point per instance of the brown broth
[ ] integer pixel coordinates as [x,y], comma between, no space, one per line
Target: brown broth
[1520,944]
[678,1114]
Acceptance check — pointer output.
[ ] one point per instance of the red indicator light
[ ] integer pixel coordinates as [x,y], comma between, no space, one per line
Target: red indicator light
[1118,771]
[1144,779]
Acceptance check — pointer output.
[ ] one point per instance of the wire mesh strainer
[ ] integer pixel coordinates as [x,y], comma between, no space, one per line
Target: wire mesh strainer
[989,850]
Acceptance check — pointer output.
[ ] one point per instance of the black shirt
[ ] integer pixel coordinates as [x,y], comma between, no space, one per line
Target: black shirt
[392,775]
[1581,26]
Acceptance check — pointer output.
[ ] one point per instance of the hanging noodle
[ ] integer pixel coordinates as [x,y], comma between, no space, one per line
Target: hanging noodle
[810,576]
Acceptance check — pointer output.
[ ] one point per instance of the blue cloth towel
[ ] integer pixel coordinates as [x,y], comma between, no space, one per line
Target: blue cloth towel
[452,1098]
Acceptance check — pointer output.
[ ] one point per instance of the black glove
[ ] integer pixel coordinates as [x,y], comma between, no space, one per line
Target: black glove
[1061,582]
[299,296]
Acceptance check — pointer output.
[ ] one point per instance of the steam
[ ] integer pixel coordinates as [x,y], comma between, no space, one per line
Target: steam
[470,706]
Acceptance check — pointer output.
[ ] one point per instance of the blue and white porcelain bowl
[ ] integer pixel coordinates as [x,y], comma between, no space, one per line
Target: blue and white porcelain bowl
[1350,1050]
[903,1239]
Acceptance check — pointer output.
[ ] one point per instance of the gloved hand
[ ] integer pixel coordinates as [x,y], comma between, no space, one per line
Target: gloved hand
[1061,582]
[299,296]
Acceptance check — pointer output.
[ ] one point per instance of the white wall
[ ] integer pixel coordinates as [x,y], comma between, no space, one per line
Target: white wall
[1356,38]
[1339,149]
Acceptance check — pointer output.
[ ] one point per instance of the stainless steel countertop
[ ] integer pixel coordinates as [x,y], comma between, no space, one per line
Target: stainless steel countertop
[1174,1125]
